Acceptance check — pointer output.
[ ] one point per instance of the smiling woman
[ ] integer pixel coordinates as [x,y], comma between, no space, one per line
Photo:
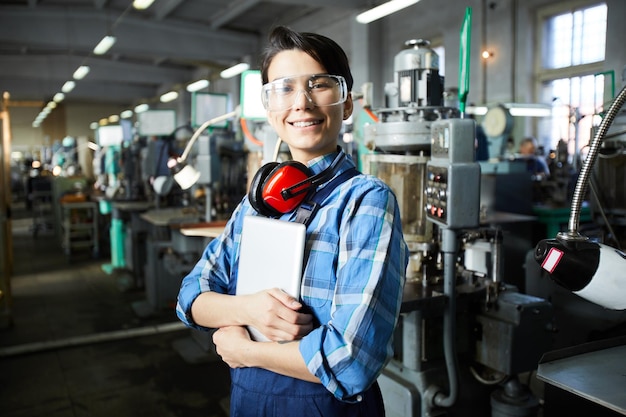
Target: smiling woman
[355,255]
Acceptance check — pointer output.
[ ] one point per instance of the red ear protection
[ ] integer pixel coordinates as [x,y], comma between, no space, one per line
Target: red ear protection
[277,189]
[268,190]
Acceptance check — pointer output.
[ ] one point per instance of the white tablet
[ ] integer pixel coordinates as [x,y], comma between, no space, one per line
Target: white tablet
[270,256]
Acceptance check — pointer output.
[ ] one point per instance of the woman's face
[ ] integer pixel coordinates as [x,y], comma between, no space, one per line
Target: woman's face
[309,130]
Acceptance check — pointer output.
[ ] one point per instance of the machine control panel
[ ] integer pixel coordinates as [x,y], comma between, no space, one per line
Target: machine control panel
[452,175]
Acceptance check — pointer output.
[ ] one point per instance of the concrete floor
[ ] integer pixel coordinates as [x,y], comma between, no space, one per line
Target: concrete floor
[77,348]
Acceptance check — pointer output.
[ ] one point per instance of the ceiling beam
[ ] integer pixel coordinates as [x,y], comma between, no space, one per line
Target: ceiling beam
[235,8]
[165,7]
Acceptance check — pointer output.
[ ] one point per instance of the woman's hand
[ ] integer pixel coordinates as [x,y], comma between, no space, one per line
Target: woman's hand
[231,343]
[275,314]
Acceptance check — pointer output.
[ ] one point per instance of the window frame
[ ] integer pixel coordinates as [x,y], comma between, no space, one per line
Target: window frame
[545,75]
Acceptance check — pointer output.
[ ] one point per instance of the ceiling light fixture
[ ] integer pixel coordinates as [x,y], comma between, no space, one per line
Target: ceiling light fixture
[81,72]
[68,86]
[142,108]
[198,85]
[58,97]
[169,96]
[126,114]
[104,45]
[384,10]
[476,110]
[529,110]
[234,70]
[142,4]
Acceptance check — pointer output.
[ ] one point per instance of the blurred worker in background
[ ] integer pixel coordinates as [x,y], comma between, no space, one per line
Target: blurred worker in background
[536,164]
[325,361]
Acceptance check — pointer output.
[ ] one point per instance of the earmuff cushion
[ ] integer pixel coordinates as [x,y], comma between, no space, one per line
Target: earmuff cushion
[285,176]
[255,194]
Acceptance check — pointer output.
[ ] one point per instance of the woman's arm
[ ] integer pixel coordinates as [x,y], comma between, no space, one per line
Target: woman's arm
[273,312]
[238,351]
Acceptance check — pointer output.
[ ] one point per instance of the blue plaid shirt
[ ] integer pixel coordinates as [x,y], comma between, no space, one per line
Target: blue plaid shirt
[355,259]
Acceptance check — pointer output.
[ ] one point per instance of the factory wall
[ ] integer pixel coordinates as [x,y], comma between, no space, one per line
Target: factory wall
[69,119]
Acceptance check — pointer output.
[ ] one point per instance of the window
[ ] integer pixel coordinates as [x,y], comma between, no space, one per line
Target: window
[573,49]
[575,38]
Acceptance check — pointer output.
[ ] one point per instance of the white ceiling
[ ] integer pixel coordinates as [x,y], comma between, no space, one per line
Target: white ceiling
[172,43]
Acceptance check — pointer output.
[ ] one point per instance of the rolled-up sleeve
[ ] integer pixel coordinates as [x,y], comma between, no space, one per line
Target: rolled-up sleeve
[211,273]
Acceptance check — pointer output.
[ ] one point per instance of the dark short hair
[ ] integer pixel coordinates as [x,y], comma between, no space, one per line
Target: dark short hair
[322,49]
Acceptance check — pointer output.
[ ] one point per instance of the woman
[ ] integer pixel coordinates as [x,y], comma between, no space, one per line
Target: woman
[325,361]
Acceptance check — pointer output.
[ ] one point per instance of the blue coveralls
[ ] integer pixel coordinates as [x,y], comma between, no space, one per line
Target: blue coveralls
[256,392]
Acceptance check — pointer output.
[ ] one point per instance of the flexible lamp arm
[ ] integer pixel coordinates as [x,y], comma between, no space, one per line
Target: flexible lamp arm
[585,172]
[202,128]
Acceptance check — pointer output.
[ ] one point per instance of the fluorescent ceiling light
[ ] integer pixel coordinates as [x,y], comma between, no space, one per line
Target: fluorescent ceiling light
[234,70]
[80,72]
[530,111]
[141,108]
[198,85]
[126,114]
[68,86]
[169,96]
[142,4]
[105,44]
[51,104]
[476,110]
[93,125]
[114,118]
[384,10]
[58,97]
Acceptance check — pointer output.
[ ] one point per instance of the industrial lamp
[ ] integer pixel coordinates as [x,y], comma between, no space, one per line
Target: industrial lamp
[186,175]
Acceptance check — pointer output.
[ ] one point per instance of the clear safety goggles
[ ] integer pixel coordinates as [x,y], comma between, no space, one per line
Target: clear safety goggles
[319,89]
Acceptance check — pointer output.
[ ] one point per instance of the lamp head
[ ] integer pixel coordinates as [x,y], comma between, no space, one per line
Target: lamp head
[589,269]
[185,175]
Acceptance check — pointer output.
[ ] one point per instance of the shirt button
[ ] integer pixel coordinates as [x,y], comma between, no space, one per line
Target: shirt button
[359,398]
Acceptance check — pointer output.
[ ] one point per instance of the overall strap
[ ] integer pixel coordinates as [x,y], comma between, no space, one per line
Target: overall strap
[307,209]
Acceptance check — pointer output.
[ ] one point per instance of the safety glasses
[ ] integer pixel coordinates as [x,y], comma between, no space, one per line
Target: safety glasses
[319,89]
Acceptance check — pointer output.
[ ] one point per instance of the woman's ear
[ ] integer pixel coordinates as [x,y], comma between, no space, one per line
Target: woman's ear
[348,107]
[269,119]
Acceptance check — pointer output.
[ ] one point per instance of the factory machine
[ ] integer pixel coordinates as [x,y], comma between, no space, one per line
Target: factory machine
[464,336]
[609,202]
